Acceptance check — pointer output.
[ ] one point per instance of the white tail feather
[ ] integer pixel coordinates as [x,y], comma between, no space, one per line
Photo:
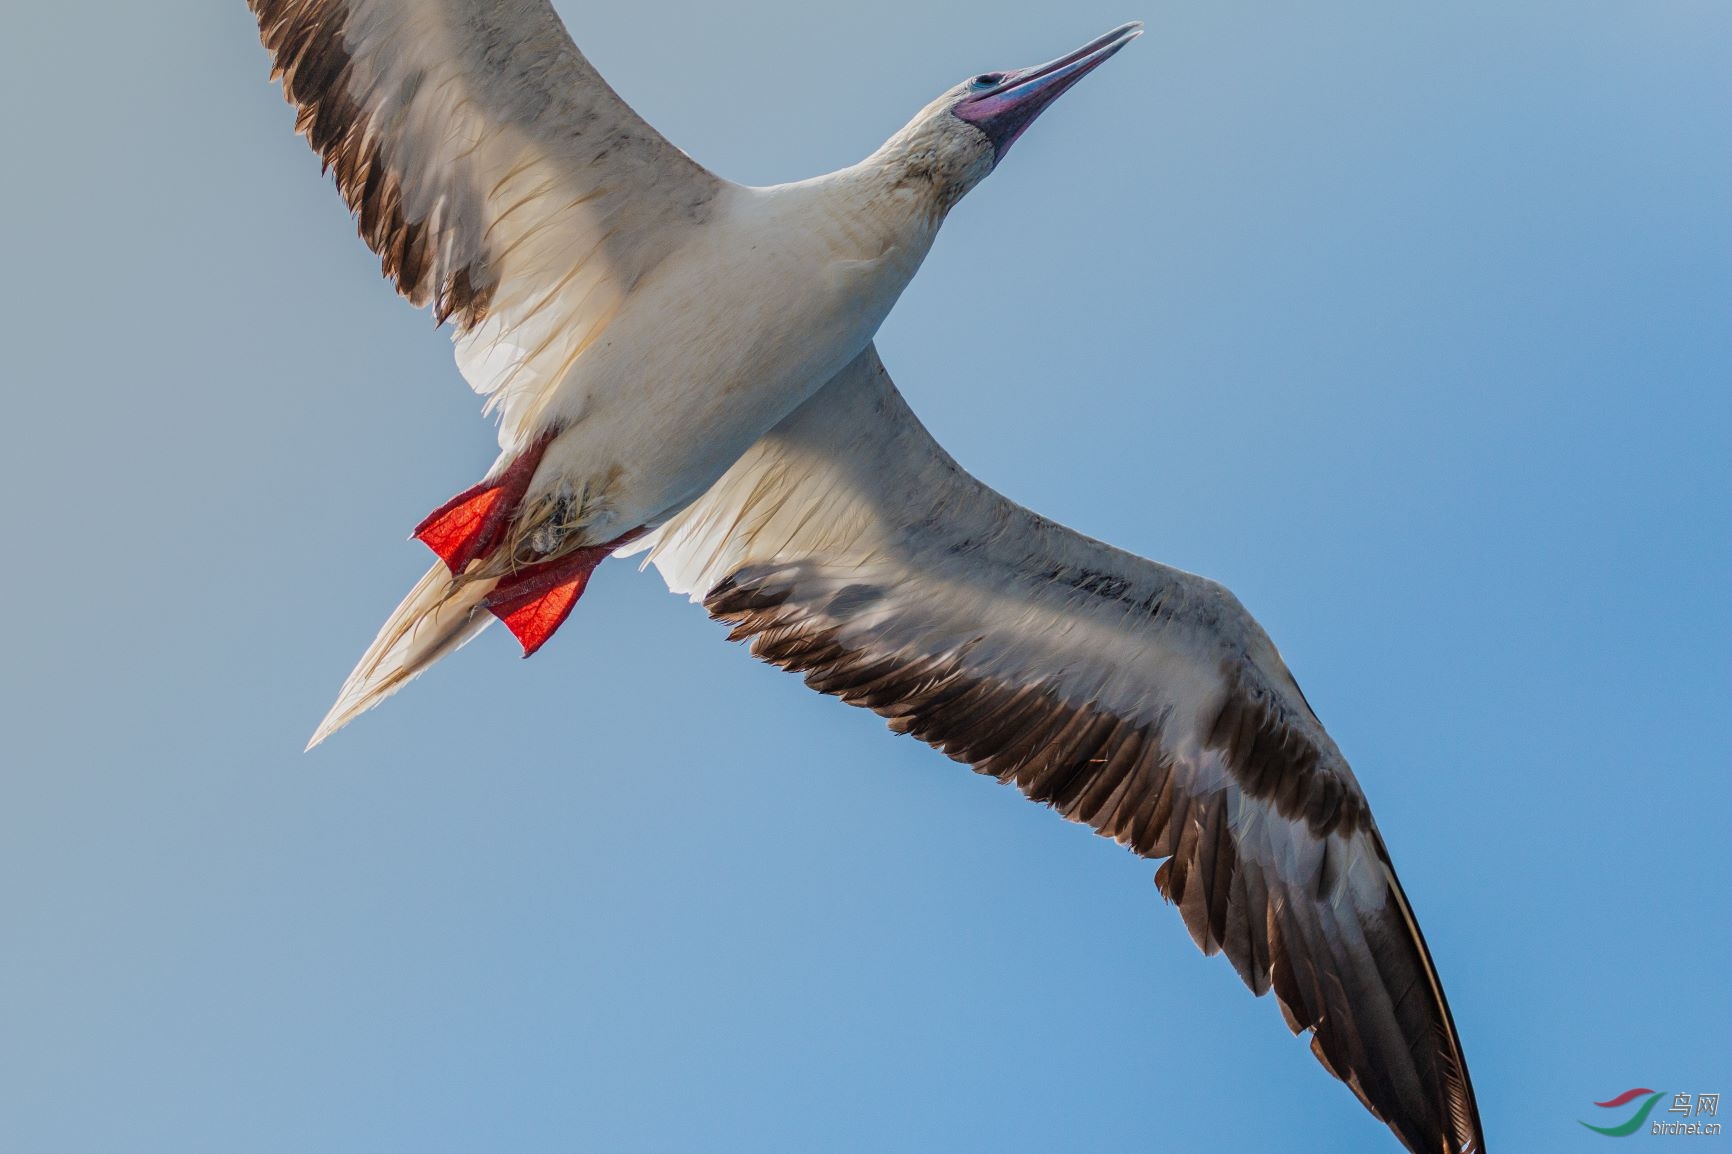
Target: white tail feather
[434,619]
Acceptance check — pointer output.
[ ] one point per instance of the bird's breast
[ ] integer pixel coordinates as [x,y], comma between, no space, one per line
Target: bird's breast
[715,346]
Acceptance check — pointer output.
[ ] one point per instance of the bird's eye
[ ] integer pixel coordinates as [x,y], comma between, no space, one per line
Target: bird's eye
[988,80]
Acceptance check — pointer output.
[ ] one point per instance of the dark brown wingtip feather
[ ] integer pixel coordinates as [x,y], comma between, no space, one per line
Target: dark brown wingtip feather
[309,56]
[1378,1019]
[1458,1104]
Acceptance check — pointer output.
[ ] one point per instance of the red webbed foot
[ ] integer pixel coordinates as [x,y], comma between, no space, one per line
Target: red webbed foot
[472,523]
[535,601]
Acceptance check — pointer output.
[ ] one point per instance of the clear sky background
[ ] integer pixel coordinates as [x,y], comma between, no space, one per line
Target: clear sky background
[1412,324]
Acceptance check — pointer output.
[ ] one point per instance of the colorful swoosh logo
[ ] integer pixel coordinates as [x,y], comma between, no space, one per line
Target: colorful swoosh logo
[1625,1129]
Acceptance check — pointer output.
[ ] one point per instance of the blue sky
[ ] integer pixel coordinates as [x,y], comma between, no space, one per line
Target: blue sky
[1409,324]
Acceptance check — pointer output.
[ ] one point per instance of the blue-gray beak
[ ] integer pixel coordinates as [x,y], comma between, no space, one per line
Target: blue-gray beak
[1005,103]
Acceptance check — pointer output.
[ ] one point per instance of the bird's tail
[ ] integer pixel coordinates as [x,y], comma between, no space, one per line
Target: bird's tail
[438,617]
[499,557]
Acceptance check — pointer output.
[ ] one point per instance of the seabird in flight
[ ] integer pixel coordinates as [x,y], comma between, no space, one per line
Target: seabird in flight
[684,367]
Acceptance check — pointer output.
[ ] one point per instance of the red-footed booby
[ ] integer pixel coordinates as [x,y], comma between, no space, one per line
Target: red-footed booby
[684,367]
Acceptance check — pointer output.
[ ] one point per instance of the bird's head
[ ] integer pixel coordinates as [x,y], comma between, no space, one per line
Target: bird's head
[960,137]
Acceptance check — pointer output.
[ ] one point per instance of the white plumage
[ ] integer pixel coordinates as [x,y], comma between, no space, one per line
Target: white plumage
[683,367]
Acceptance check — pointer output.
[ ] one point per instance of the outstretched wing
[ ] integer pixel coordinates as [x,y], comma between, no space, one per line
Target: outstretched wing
[495,173]
[1139,699]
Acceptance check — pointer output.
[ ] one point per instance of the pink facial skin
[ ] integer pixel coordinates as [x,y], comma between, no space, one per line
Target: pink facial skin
[1007,103]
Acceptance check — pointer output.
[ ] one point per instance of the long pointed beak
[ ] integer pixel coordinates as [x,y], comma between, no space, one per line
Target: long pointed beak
[1005,108]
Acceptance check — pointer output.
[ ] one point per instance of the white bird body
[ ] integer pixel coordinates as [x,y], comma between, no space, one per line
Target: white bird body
[684,366]
[730,333]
